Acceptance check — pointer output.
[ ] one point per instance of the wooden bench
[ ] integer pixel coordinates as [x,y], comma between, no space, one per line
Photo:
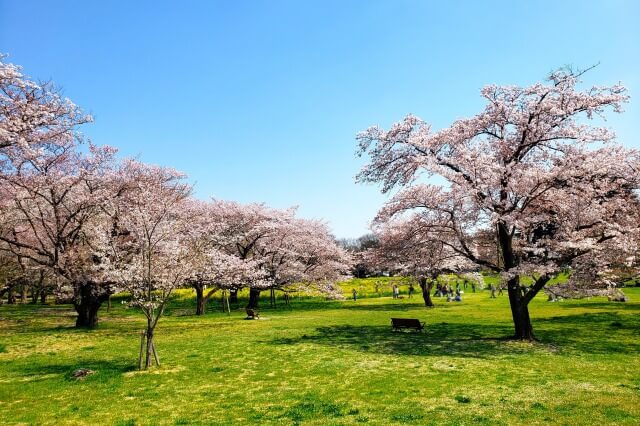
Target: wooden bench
[402,323]
[252,314]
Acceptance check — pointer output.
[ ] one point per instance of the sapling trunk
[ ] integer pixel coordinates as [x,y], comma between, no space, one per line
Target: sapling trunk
[149,348]
[142,339]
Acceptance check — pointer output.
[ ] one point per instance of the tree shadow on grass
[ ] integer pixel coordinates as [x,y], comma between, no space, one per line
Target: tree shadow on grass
[441,339]
[594,333]
[386,307]
[609,306]
[601,333]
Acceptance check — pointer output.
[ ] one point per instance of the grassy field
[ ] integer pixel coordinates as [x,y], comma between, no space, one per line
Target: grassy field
[327,362]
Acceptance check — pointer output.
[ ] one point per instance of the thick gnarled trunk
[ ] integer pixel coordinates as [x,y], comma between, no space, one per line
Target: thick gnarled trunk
[523,330]
[425,286]
[254,297]
[87,314]
[519,311]
[87,302]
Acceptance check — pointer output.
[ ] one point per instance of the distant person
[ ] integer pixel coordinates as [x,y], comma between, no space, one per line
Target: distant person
[396,291]
[473,287]
[457,285]
[458,297]
[355,294]
[464,283]
[411,290]
[493,291]
[500,290]
[449,297]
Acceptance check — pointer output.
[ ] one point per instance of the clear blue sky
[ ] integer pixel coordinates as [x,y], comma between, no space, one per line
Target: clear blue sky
[260,100]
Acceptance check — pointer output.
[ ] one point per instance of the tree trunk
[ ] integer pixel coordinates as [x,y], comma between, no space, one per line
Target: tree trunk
[149,349]
[272,298]
[200,300]
[425,286]
[23,293]
[87,302]
[87,314]
[521,320]
[254,297]
[523,329]
[43,297]
[233,295]
[38,288]
[11,296]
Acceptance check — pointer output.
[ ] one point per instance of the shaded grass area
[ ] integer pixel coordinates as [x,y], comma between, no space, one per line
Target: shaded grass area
[327,362]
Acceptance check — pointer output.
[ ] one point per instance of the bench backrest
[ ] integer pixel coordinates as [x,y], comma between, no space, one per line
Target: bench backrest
[406,322]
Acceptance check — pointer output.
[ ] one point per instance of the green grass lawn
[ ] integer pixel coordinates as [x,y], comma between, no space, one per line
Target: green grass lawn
[327,362]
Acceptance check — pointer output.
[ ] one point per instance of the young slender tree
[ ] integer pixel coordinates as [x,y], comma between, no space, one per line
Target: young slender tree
[531,168]
[152,257]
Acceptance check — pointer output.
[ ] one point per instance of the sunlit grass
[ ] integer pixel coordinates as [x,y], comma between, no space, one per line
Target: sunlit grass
[327,362]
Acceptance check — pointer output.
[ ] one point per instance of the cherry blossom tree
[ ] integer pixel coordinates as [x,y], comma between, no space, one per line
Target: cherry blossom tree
[50,212]
[534,167]
[49,190]
[362,267]
[152,257]
[213,269]
[254,246]
[405,245]
[475,278]
[34,118]
[595,276]
[301,255]
[240,229]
